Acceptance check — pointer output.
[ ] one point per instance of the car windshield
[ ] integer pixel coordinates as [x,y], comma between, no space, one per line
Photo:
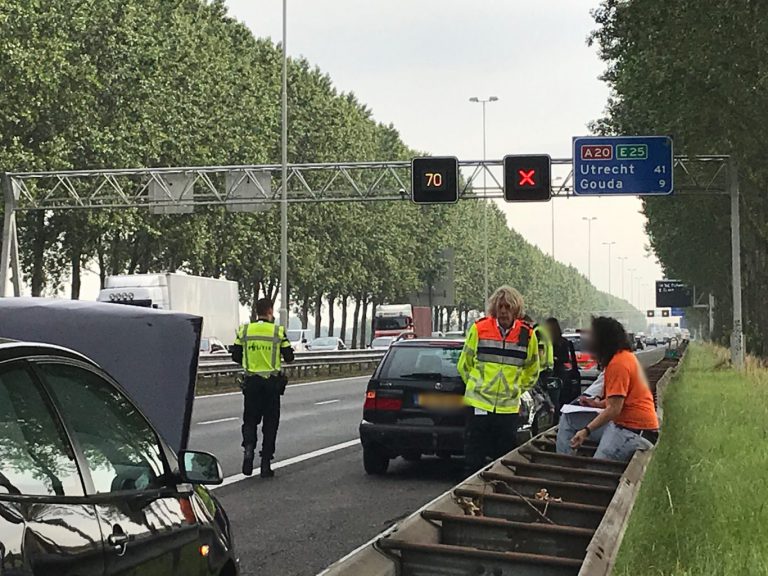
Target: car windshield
[421,361]
[385,341]
[391,323]
[205,345]
[324,342]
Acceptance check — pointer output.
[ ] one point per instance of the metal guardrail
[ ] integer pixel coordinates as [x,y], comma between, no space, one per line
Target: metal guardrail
[222,364]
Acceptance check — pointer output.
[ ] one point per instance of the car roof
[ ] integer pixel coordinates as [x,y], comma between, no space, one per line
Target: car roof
[14,350]
[431,342]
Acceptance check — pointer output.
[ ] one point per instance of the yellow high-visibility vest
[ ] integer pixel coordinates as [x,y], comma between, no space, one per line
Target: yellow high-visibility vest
[261,342]
[497,369]
[546,350]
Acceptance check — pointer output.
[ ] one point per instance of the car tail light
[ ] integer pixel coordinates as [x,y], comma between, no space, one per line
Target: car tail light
[389,404]
[382,404]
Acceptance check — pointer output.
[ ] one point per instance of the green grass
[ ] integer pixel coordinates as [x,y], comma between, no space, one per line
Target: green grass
[703,506]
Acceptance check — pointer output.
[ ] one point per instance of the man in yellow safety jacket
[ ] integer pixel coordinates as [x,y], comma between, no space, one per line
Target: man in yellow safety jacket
[546,351]
[499,362]
[259,347]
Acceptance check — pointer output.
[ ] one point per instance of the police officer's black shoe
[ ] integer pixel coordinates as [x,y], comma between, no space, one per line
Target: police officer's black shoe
[248,460]
[266,468]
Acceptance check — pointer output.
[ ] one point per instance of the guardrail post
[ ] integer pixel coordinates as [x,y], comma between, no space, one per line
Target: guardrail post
[737,336]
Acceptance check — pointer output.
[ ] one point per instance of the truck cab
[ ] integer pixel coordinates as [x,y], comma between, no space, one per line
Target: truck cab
[392,320]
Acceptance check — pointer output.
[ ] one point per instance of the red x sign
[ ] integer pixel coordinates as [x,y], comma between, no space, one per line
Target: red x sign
[526,177]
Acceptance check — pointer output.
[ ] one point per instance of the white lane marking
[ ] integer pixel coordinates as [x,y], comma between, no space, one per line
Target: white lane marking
[206,422]
[326,381]
[326,402]
[205,396]
[290,461]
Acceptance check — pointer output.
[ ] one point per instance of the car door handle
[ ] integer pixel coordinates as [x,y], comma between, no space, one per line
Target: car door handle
[118,540]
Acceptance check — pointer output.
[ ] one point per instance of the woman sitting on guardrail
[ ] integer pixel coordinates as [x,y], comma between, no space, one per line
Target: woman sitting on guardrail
[629,414]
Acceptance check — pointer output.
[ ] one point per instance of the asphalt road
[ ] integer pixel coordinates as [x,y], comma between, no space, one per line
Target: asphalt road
[321,505]
[314,415]
[317,509]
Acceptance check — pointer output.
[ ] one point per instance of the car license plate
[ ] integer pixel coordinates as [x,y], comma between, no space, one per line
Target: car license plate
[440,401]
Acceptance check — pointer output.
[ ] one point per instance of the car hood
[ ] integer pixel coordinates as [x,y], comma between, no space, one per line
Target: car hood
[151,353]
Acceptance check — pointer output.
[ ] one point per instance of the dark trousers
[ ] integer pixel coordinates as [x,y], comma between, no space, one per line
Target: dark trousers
[488,436]
[261,403]
[571,390]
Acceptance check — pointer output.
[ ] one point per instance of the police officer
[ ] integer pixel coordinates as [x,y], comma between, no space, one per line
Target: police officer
[499,362]
[258,347]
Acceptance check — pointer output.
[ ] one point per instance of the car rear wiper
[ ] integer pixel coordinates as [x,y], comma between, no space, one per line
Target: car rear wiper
[430,375]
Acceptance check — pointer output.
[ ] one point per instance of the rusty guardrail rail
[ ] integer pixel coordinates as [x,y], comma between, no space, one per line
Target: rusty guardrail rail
[531,513]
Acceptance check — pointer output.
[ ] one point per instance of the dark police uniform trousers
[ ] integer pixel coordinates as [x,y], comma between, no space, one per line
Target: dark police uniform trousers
[261,406]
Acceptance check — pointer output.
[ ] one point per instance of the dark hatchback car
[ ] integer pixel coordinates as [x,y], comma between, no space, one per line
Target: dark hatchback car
[414,405]
[87,487]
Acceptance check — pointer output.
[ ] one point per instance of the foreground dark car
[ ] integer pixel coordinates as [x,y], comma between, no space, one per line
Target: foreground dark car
[87,487]
[414,405]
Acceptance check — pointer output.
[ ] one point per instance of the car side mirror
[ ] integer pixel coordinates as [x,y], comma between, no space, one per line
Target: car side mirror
[200,468]
[303,340]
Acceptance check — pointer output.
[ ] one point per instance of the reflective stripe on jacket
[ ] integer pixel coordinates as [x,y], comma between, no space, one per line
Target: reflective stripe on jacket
[497,370]
[261,342]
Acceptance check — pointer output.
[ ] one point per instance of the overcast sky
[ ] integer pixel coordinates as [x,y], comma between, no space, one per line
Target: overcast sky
[416,63]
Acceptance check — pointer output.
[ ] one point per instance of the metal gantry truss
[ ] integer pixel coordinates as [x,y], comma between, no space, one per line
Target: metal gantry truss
[258,187]
[172,189]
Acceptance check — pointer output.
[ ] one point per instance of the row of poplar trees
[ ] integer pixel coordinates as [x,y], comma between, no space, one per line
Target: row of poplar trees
[700,75]
[143,83]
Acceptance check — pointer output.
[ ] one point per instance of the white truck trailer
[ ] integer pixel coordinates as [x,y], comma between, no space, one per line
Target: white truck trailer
[217,301]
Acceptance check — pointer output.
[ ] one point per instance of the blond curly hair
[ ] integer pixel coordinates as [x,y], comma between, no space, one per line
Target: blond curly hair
[510,296]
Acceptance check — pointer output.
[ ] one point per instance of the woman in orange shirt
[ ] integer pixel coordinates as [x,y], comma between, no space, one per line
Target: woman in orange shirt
[630,413]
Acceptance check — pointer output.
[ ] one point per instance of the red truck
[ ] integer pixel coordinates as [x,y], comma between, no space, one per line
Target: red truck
[398,319]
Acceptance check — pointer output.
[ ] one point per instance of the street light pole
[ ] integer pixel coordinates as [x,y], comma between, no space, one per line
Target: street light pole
[485,101]
[552,208]
[284,180]
[623,259]
[589,245]
[609,244]
[632,285]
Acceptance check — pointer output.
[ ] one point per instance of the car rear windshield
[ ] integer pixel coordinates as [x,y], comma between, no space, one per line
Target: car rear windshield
[427,361]
[576,342]
[385,341]
[391,323]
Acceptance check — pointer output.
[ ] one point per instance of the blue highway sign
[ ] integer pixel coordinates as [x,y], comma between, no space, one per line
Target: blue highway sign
[622,165]
[678,312]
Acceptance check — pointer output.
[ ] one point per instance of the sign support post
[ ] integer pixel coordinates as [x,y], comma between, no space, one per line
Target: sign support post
[9,259]
[737,336]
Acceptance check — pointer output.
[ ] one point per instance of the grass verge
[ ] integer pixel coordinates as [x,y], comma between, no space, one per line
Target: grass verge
[703,506]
